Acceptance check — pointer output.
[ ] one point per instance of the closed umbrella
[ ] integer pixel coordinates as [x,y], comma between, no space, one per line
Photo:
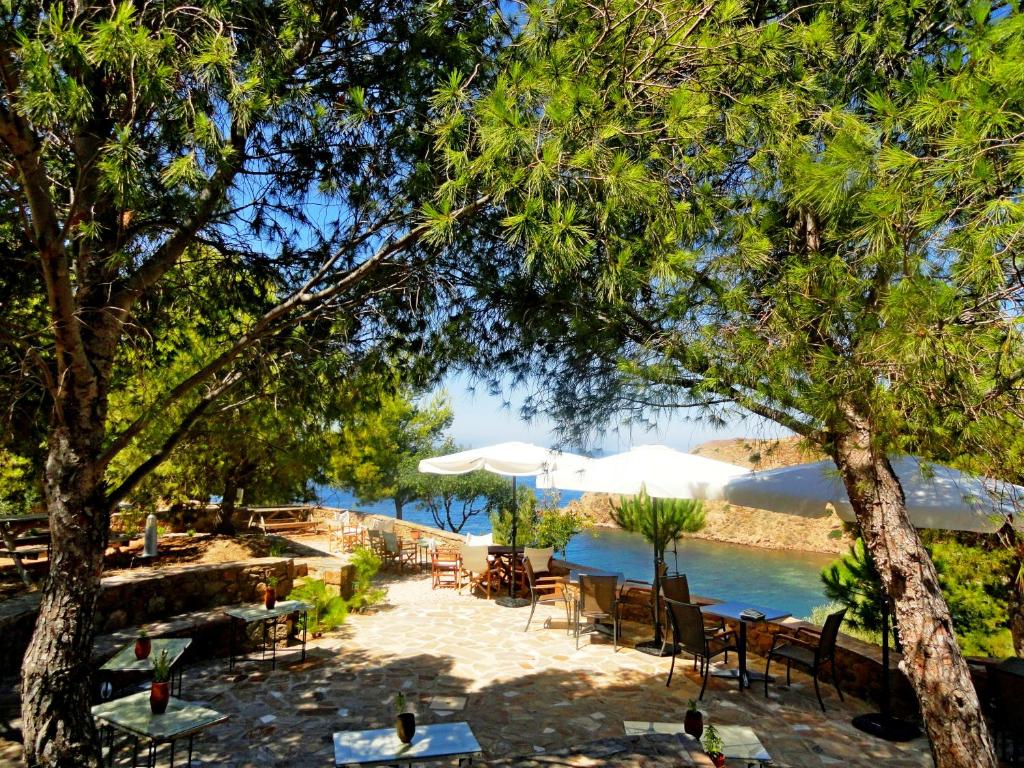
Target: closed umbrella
[937,497]
[513,459]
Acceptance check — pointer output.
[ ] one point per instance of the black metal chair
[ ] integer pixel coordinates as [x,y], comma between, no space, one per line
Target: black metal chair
[676,587]
[1007,689]
[689,633]
[545,590]
[813,651]
[598,602]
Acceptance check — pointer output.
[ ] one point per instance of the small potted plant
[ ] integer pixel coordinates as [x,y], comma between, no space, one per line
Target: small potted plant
[270,595]
[405,723]
[693,720]
[143,645]
[160,693]
[713,746]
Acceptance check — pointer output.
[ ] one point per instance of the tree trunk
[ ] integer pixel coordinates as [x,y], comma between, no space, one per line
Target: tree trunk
[226,522]
[1017,597]
[932,659]
[398,509]
[57,726]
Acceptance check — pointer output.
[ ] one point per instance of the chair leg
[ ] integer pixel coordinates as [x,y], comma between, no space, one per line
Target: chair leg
[835,681]
[671,669]
[615,633]
[817,692]
[533,607]
[707,673]
[767,664]
[789,666]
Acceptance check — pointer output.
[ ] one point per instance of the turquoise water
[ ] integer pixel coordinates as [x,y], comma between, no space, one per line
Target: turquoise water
[782,580]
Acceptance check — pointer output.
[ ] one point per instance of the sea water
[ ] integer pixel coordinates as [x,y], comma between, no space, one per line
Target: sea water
[775,580]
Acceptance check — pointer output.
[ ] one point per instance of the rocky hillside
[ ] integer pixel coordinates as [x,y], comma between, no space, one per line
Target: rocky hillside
[743,525]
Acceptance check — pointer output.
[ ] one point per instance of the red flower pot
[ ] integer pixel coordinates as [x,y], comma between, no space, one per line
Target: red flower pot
[143,646]
[718,759]
[270,597]
[159,695]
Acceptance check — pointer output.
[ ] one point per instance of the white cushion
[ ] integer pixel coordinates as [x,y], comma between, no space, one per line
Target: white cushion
[538,557]
[483,540]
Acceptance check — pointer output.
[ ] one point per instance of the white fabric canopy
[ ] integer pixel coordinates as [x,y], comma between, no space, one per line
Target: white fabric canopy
[937,496]
[662,471]
[514,458]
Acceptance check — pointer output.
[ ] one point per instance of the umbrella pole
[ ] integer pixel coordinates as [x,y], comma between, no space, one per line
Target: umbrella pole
[883,724]
[512,601]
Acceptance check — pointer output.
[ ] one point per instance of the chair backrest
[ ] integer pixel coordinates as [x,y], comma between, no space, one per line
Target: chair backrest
[1007,689]
[539,558]
[445,555]
[390,542]
[676,588]
[687,626]
[827,647]
[597,593]
[474,558]
[480,540]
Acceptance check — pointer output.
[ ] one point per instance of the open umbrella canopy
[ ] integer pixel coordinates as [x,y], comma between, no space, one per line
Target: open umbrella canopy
[664,472]
[937,496]
[513,459]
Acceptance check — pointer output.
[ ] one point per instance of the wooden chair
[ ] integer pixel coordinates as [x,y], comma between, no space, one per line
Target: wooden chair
[395,553]
[809,648]
[446,569]
[476,567]
[344,531]
[689,634]
[545,590]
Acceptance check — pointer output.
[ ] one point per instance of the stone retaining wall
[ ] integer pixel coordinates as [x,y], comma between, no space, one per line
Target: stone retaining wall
[149,594]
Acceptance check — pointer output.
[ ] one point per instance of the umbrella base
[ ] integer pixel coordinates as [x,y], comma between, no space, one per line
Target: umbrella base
[654,648]
[512,602]
[886,727]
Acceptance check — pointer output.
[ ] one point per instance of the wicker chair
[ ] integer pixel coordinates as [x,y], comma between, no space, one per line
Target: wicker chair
[689,634]
[476,567]
[598,602]
[809,648]
[545,590]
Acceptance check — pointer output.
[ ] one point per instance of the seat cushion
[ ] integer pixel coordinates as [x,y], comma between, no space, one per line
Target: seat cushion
[796,653]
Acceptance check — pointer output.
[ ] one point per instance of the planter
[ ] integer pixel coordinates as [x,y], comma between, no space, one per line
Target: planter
[405,727]
[718,759]
[693,723]
[143,647]
[159,695]
[270,597]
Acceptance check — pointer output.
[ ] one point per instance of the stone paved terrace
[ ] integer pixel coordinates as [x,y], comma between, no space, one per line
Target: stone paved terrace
[455,656]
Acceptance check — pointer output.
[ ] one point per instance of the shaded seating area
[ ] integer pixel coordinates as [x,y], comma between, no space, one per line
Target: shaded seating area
[810,649]
[691,636]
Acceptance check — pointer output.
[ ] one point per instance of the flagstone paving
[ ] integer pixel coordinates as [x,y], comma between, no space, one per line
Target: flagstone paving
[458,657]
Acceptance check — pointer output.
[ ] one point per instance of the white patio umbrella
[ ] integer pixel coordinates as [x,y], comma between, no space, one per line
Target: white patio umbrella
[937,496]
[664,472]
[513,459]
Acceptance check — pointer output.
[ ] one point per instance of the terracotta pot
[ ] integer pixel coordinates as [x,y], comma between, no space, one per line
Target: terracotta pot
[159,695]
[405,727]
[693,723]
[718,759]
[143,646]
[270,597]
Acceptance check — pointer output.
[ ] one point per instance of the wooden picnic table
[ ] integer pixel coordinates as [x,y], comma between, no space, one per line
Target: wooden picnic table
[10,528]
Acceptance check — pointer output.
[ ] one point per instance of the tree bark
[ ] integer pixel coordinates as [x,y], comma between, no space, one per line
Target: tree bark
[226,522]
[398,509]
[57,725]
[932,659]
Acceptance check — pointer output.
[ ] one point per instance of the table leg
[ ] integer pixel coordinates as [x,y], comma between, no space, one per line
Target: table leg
[135,753]
[263,647]
[8,537]
[172,754]
[273,645]
[231,644]
[742,652]
[305,621]
[151,762]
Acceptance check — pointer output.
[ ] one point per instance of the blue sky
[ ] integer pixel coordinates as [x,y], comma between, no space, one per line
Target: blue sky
[481,419]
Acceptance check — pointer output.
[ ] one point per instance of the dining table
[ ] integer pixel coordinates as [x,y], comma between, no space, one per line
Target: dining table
[741,614]
[503,559]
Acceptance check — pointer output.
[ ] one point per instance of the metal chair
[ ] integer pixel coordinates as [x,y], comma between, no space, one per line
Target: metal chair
[545,590]
[689,635]
[814,651]
[598,601]
[676,587]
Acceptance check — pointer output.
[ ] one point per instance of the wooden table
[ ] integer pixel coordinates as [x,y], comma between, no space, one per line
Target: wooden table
[10,527]
[132,716]
[382,747]
[733,612]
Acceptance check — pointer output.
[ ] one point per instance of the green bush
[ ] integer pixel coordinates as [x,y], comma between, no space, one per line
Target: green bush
[328,610]
[364,594]
[820,613]
[853,582]
[501,522]
[548,526]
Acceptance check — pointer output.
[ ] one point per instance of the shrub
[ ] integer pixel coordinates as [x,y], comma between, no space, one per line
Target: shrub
[820,613]
[328,611]
[364,594]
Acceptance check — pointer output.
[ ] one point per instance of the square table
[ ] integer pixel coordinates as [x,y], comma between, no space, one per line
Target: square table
[125,662]
[738,742]
[251,614]
[132,716]
[382,746]
[733,611]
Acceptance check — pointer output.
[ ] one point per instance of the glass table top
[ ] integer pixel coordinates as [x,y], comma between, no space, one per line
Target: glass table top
[258,612]
[125,661]
[132,714]
[381,746]
[738,741]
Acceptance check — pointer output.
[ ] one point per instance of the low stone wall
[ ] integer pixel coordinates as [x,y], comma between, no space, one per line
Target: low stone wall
[143,595]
